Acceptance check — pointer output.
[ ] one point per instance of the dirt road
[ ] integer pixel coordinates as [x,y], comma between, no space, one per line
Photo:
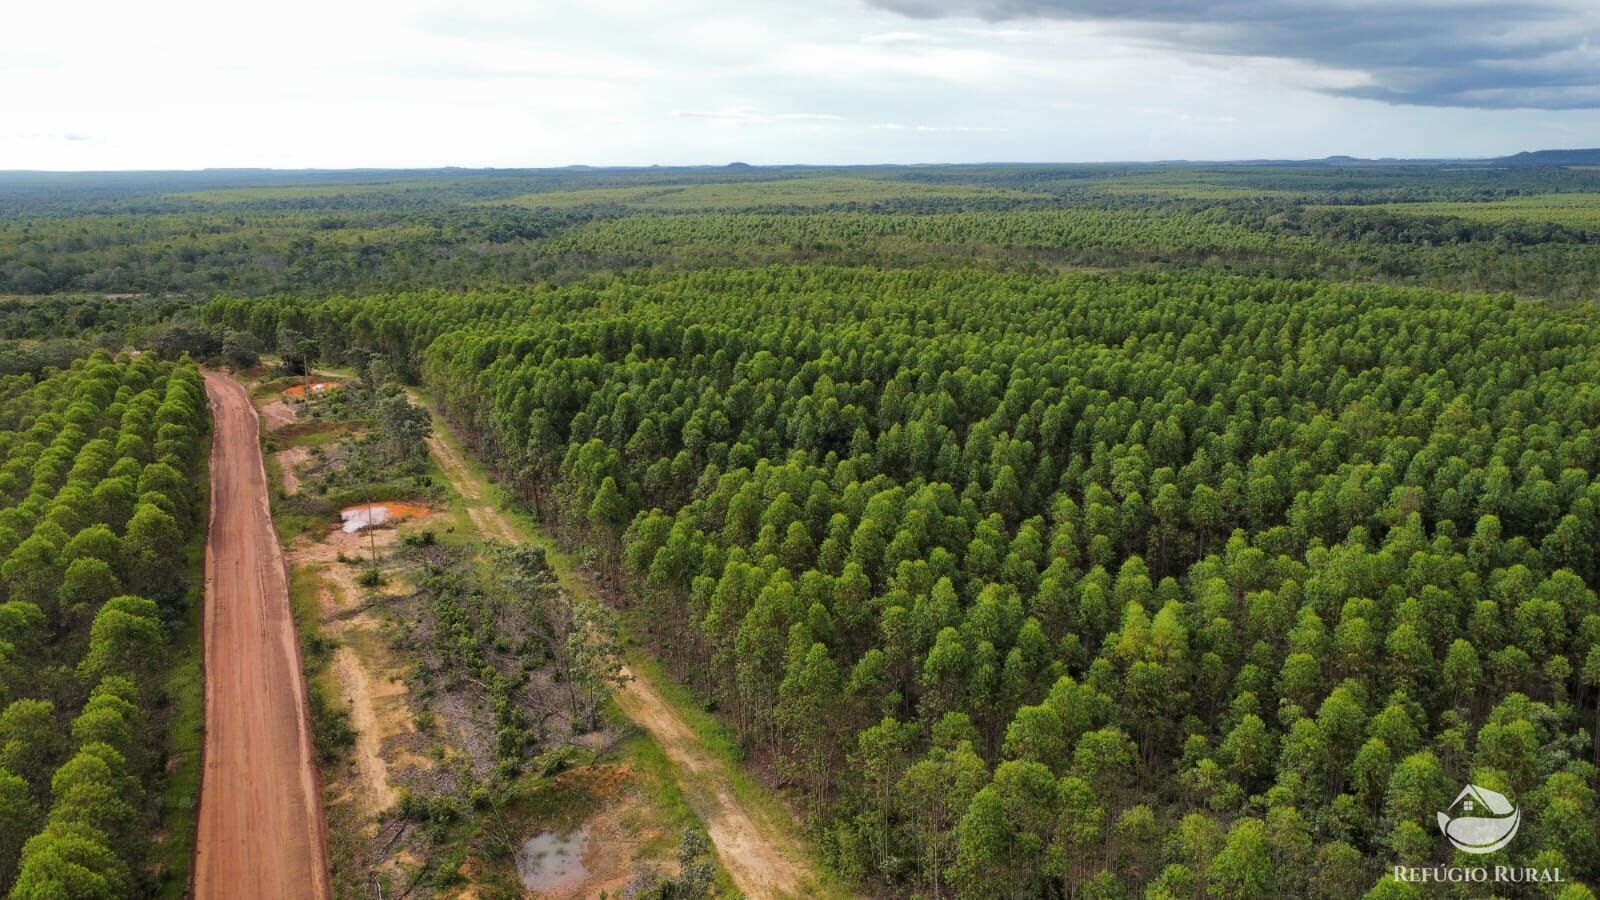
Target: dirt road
[760,854]
[261,828]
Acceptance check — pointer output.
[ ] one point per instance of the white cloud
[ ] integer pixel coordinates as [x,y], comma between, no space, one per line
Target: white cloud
[899,37]
[192,83]
[739,115]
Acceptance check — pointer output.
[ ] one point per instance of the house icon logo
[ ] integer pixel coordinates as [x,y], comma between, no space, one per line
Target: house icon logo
[1480,820]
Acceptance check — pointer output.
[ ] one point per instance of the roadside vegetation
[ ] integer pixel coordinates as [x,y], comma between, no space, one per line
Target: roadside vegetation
[460,699]
[98,728]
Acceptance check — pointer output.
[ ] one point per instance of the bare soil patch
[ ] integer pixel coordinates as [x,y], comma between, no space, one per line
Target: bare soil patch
[289,463]
[366,680]
[612,853]
[277,415]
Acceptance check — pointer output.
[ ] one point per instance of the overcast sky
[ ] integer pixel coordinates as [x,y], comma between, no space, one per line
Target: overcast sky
[345,83]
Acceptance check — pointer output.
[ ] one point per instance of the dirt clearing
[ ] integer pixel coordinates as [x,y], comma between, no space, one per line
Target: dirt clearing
[364,676]
[278,414]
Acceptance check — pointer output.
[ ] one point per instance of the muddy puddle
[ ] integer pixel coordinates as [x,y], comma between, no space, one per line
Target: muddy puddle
[374,515]
[550,863]
[316,388]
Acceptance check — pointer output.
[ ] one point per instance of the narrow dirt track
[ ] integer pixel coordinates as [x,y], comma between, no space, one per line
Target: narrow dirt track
[761,856]
[261,830]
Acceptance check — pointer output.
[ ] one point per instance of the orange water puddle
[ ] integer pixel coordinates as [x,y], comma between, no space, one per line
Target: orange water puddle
[378,514]
[317,388]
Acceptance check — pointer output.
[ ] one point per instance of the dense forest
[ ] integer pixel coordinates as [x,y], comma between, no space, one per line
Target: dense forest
[96,539]
[1169,585]
[1533,230]
[1089,532]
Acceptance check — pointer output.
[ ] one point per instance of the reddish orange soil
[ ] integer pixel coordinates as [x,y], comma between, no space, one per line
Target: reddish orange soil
[317,387]
[261,830]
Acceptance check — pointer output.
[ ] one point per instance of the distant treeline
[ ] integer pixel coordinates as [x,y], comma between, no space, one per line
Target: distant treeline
[327,233]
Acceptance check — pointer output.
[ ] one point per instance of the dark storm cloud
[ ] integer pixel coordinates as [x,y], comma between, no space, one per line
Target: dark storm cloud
[1444,53]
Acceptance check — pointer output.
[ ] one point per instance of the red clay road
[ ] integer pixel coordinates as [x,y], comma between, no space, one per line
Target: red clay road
[261,828]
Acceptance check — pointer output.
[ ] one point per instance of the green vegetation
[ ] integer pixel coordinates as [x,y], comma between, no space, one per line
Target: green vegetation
[1528,229]
[521,670]
[974,553]
[799,192]
[365,441]
[1576,211]
[495,617]
[185,728]
[96,544]
[1045,531]
[50,332]
[331,733]
[507,679]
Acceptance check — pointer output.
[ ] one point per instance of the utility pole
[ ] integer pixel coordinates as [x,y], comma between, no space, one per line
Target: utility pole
[372,537]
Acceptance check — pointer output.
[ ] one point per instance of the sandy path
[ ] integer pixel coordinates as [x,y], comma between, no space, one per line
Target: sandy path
[289,463]
[370,764]
[261,830]
[762,856]
[483,514]
[377,703]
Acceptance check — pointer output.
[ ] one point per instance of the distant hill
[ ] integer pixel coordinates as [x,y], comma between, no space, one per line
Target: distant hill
[1553,158]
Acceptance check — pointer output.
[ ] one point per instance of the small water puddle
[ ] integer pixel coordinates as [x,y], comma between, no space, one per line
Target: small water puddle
[371,515]
[548,862]
[316,388]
